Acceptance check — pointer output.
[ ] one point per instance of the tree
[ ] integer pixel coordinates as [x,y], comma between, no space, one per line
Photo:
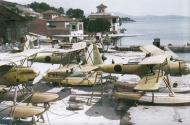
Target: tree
[98,25]
[60,10]
[75,13]
[85,23]
[41,7]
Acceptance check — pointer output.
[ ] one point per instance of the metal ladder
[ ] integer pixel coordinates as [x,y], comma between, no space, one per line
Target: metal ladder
[98,81]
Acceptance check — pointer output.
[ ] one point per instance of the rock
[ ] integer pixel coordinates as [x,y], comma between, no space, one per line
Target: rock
[75,107]
[73,99]
[180,120]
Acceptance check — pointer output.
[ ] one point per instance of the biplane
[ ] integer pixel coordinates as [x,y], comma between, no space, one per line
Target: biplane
[14,74]
[77,74]
[60,56]
[174,66]
[159,66]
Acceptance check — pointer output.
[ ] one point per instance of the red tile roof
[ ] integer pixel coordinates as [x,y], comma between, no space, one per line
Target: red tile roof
[64,19]
[38,26]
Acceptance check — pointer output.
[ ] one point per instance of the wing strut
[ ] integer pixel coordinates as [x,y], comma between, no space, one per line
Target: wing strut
[168,85]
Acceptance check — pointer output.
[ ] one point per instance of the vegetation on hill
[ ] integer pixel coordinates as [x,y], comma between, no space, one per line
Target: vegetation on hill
[75,13]
[98,25]
[41,7]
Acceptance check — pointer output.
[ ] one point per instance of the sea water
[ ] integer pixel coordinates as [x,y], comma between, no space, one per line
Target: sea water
[175,31]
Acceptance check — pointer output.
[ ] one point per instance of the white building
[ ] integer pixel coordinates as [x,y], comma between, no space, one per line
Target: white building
[101,13]
[71,26]
[53,25]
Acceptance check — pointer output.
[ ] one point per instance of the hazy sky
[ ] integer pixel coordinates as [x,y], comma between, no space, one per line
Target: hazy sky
[130,7]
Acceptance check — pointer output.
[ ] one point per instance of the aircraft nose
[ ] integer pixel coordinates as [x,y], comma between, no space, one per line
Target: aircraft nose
[187,68]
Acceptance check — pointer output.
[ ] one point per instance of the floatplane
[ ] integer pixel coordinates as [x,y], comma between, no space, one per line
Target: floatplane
[22,77]
[14,81]
[154,70]
[74,73]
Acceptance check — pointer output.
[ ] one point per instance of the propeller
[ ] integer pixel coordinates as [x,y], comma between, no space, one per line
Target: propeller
[40,76]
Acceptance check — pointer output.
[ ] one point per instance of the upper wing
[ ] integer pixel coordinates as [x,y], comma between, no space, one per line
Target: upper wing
[28,53]
[170,53]
[62,36]
[151,49]
[75,47]
[149,83]
[12,58]
[158,59]
[123,35]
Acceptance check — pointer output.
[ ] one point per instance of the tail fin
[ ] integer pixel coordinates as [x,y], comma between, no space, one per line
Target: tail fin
[93,56]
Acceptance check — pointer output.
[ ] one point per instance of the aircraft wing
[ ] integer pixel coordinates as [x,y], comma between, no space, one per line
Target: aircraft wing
[123,35]
[4,63]
[149,83]
[110,35]
[158,59]
[10,58]
[62,36]
[76,47]
[170,53]
[151,49]
[28,53]
[88,68]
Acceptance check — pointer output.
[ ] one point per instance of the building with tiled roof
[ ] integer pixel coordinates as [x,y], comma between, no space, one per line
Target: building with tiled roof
[101,8]
[102,14]
[60,25]
[50,14]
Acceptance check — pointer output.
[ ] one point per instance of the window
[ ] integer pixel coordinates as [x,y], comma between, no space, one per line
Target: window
[68,26]
[80,27]
[52,25]
[74,28]
[114,20]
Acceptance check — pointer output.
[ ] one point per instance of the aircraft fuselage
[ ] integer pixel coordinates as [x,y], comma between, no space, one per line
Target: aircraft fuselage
[16,75]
